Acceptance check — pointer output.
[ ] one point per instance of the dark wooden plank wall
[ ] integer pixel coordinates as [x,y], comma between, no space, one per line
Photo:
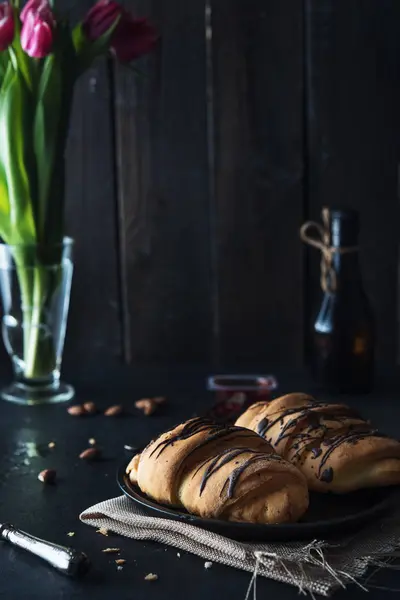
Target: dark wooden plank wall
[94,330]
[163,190]
[188,185]
[258,112]
[352,63]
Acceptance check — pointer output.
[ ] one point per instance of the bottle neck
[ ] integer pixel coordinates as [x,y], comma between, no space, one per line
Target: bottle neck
[344,236]
[347,270]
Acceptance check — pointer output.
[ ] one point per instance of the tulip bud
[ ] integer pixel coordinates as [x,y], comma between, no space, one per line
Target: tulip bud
[36,36]
[7,26]
[131,37]
[37,6]
[37,30]
[100,18]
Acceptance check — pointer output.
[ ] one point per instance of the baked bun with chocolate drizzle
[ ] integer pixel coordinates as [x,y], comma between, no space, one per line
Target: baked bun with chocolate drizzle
[213,471]
[334,447]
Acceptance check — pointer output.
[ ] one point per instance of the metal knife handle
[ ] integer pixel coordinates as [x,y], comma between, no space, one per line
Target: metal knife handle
[67,560]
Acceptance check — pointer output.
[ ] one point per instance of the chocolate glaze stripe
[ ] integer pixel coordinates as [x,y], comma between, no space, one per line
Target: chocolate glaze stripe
[233,478]
[307,402]
[220,461]
[329,436]
[262,426]
[192,427]
[281,412]
[229,455]
[220,454]
[226,433]
[311,443]
[314,421]
[299,410]
[310,406]
[348,438]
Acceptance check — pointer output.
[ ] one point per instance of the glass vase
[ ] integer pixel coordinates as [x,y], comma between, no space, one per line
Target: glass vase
[35,286]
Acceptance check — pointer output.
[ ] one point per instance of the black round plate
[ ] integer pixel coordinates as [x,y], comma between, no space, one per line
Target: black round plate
[328,515]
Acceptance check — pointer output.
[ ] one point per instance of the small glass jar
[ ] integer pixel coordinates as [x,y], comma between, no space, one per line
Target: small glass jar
[235,393]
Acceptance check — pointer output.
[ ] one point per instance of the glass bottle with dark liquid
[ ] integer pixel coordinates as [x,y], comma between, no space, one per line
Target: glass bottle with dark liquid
[343,332]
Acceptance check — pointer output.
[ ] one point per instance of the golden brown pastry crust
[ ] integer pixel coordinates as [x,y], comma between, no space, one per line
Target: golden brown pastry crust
[220,472]
[333,446]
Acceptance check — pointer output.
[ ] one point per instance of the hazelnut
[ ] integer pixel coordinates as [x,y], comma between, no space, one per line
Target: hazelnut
[47,476]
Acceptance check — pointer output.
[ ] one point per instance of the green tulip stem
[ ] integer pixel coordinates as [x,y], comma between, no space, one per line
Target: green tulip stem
[39,352]
[24,278]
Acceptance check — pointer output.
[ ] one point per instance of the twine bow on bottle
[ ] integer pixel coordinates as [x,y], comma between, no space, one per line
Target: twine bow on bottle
[322,242]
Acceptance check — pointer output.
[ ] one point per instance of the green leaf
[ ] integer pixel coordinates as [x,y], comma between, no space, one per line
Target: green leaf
[4,207]
[14,174]
[25,64]
[50,129]
[88,51]
[4,58]
[45,133]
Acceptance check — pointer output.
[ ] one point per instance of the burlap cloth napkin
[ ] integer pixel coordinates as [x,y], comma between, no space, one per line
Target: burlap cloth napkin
[317,566]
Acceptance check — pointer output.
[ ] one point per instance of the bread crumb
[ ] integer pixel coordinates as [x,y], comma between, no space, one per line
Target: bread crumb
[92,441]
[178,554]
[120,561]
[71,533]
[151,577]
[111,550]
[51,445]
[102,530]
[208,564]
[119,568]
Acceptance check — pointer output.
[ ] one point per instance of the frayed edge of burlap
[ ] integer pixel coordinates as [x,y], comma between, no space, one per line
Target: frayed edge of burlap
[317,554]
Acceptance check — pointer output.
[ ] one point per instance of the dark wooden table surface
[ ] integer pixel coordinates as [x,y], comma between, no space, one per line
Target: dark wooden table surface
[51,512]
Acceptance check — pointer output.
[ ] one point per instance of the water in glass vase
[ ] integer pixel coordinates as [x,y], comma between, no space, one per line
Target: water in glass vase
[35,285]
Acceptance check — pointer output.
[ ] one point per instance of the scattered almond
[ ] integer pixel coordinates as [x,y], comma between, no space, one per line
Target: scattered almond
[90,408]
[103,531]
[90,454]
[146,405]
[151,577]
[120,561]
[71,533]
[111,550]
[47,476]
[113,411]
[92,441]
[51,445]
[76,411]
